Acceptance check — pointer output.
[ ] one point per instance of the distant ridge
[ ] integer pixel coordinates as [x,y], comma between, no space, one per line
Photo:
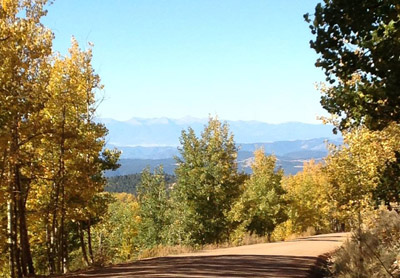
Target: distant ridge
[290,154]
[166,132]
[294,149]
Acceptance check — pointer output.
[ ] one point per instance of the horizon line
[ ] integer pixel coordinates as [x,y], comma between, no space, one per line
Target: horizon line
[188,118]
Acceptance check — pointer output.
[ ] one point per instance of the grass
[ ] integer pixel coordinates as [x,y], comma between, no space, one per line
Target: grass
[162,250]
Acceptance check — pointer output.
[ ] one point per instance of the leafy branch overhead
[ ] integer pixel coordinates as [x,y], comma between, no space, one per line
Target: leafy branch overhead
[359,45]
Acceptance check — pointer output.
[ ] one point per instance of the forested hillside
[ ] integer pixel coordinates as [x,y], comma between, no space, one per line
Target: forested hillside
[129,183]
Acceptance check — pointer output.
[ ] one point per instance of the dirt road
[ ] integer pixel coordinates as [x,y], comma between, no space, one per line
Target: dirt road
[294,259]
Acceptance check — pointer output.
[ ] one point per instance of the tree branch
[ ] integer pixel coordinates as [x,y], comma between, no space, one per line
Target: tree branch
[4,39]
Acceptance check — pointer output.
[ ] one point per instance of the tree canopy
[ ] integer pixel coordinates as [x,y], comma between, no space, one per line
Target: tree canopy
[52,151]
[261,206]
[207,183]
[153,208]
[359,45]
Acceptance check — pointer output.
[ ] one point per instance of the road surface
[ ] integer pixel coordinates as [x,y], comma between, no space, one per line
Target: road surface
[295,259]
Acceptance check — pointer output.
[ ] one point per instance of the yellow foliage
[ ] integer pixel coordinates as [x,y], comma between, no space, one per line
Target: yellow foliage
[125,197]
[283,231]
[53,149]
[9,6]
[309,203]
[354,169]
[115,237]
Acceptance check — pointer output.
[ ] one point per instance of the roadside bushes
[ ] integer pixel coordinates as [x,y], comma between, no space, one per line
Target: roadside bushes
[373,250]
[115,237]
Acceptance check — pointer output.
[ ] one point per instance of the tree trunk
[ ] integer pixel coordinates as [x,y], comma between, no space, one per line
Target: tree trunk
[63,237]
[53,237]
[11,245]
[26,255]
[63,242]
[87,158]
[49,245]
[22,257]
[54,262]
[90,243]
[15,237]
[57,241]
[82,240]
[15,187]
[360,251]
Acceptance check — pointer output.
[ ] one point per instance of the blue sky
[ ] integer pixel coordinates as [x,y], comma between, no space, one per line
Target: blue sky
[239,59]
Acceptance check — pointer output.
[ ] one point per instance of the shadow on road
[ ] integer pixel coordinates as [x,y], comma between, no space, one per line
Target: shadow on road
[327,238]
[210,266]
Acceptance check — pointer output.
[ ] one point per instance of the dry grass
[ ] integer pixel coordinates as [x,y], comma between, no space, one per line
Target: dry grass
[373,251]
[252,239]
[162,251]
[309,232]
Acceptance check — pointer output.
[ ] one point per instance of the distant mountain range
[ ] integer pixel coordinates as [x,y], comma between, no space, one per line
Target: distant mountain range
[151,142]
[290,165]
[298,149]
[166,132]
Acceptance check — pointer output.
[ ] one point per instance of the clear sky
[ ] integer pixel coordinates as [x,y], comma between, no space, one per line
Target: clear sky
[239,59]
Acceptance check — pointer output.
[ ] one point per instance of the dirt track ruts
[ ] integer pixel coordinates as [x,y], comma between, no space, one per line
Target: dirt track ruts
[295,258]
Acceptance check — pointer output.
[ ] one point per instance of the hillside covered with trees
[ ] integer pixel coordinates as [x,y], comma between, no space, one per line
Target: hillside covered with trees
[55,213]
[129,183]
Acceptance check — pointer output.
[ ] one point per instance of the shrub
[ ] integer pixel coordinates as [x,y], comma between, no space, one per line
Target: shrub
[372,252]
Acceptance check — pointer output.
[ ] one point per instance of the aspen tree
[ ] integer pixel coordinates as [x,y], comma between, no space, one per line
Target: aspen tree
[25,45]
